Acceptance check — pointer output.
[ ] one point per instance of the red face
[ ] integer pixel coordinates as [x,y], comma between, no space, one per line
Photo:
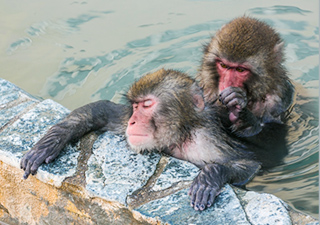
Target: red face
[140,130]
[231,74]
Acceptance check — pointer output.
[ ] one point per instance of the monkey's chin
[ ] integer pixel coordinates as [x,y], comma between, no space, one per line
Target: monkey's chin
[140,143]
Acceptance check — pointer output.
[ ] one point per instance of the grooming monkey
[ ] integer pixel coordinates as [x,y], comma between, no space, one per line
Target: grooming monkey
[242,73]
[242,68]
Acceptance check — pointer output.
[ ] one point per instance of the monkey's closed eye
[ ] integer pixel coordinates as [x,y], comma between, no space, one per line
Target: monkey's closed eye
[147,103]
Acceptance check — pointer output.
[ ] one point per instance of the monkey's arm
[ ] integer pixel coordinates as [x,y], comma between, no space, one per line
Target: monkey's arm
[207,185]
[246,122]
[101,115]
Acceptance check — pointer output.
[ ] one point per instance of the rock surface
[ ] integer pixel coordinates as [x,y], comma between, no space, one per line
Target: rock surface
[99,181]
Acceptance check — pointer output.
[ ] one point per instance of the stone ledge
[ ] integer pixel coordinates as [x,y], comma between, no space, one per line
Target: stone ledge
[99,181]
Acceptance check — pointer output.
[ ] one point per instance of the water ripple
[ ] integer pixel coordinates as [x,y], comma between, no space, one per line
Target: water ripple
[21,43]
[278,9]
[74,72]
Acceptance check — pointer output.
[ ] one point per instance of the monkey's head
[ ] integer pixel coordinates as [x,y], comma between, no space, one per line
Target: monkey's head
[244,53]
[165,108]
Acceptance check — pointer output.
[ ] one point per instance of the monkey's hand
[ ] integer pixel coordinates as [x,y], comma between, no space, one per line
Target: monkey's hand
[235,98]
[244,122]
[207,185]
[45,150]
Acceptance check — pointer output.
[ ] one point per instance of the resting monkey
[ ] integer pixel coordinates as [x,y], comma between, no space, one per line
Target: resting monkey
[242,68]
[168,114]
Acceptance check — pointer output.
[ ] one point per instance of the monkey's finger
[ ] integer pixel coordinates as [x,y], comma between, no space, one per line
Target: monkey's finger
[230,93]
[52,157]
[235,99]
[236,102]
[226,99]
[35,166]
[205,198]
[26,174]
[193,194]
[212,196]
[190,190]
[199,196]
[228,96]
[27,170]
[23,162]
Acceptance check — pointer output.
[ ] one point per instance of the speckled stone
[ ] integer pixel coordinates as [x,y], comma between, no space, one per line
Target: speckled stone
[176,209]
[7,114]
[176,170]
[114,171]
[266,209]
[12,101]
[10,92]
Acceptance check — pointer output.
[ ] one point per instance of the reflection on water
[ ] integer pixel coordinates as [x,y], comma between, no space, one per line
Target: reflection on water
[296,181]
[74,72]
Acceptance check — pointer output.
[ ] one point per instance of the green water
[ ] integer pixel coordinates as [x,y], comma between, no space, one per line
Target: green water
[76,52]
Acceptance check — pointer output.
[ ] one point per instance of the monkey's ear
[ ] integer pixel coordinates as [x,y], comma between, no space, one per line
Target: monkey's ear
[278,50]
[197,96]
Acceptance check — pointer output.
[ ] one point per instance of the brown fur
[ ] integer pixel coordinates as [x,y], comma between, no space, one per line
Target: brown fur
[246,39]
[176,92]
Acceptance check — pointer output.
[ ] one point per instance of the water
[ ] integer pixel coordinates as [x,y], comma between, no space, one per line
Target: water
[76,52]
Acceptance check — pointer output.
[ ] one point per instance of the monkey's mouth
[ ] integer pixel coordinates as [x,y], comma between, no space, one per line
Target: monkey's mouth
[138,139]
[137,135]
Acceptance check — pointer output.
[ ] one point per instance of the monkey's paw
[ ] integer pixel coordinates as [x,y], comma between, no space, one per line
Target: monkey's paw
[235,98]
[46,150]
[206,186]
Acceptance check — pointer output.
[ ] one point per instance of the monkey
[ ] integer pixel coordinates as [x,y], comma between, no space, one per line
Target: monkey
[242,72]
[166,112]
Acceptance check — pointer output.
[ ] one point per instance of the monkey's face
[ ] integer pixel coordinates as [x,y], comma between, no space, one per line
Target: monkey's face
[140,128]
[244,53]
[165,108]
[231,74]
